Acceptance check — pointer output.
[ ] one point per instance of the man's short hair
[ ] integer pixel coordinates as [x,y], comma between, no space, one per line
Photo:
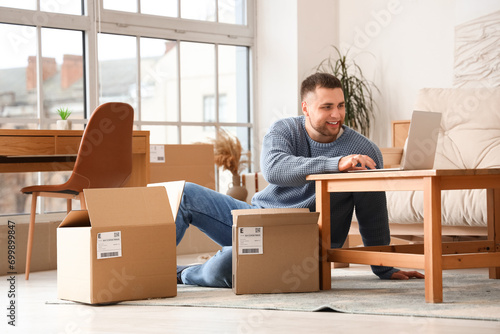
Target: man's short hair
[324,80]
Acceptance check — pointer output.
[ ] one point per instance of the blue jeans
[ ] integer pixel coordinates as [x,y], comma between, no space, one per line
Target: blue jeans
[210,211]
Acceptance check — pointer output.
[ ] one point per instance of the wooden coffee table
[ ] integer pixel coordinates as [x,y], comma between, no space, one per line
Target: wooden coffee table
[433,255]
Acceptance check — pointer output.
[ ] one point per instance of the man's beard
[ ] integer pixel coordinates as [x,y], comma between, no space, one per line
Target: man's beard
[324,131]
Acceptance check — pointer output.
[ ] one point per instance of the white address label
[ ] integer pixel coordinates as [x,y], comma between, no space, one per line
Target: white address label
[157,154]
[250,240]
[109,245]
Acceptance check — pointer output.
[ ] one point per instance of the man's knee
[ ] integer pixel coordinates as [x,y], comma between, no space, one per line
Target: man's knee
[190,189]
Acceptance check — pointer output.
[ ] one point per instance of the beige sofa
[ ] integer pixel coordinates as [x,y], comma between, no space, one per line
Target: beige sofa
[469,138]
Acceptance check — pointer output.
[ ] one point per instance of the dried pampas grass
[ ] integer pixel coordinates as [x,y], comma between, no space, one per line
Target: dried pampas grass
[228,152]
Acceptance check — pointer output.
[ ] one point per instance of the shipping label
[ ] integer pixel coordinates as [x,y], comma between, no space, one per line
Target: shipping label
[109,245]
[250,240]
[157,154]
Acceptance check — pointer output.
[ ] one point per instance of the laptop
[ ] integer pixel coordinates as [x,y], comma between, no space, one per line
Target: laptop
[421,144]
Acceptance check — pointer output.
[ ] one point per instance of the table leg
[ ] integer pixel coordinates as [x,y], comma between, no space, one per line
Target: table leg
[323,207]
[493,206]
[432,241]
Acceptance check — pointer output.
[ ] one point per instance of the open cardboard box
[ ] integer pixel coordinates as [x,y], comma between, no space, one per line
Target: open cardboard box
[275,250]
[43,256]
[121,248]
[190,162]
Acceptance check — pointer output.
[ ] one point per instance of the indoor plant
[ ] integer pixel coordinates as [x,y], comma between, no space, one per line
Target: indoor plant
[358,91]
[63,123]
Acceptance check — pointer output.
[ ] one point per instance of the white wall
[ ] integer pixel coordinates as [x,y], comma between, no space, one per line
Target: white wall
[275,67]
[317,32]
[292,38]
[402,45]
[405,45]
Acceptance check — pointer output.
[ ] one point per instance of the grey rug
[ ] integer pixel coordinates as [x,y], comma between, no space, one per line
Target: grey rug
[466,296]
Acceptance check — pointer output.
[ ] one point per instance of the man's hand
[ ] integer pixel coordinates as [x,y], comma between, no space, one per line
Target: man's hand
[351,161]
[404,275]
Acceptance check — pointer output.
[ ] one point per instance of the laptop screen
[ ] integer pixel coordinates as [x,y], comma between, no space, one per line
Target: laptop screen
[420,147]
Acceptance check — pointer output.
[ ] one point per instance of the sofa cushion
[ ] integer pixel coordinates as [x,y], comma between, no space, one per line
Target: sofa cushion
[469,138]
[458,207]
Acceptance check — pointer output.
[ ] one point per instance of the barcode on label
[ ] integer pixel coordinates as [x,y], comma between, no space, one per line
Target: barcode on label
[109,254]
[250,251]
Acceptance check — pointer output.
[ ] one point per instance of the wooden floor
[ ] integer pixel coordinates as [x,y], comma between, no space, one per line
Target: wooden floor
[35,316]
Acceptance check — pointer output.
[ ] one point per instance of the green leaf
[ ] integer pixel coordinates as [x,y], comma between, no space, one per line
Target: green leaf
[64,113]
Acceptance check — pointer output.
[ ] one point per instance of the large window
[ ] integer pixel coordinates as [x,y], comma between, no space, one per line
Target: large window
[223,11]
[184,66]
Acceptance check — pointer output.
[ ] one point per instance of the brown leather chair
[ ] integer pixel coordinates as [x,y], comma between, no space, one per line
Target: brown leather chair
[104,160]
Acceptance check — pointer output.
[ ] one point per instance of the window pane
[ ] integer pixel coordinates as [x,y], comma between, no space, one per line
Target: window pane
[209,108]
[19,125]
[159,80]
[232,11]
[242,134]
[233,84]
[56,204]
[62,66]
[194,134]
[64,7]
[13,201]
[202,10]
[18,69]
[197,79]
[117,69]
[24,4]
[163,8]
[160,134]
[74,125]
[122,5]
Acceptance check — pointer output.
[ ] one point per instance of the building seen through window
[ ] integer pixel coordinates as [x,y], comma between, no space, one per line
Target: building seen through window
[182,91]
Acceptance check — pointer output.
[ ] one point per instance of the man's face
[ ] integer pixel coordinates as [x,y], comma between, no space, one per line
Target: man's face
[325,112]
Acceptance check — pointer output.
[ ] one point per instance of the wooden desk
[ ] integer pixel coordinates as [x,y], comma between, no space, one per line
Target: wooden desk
[433,256]
[55,150]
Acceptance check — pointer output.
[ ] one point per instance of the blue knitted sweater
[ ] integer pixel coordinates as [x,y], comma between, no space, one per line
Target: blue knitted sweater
[289,155]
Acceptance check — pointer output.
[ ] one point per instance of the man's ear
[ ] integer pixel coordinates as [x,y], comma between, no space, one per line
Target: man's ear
[304,109]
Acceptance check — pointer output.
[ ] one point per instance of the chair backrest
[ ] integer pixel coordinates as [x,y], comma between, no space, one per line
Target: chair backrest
[104,157]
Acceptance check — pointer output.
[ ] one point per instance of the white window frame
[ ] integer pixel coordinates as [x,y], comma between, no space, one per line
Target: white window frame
[100,20]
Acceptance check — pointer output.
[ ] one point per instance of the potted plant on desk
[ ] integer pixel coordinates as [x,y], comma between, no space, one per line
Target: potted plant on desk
[63,123]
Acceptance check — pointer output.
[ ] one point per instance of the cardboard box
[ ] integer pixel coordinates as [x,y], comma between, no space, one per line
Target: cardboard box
[275,250]
[43,256]
[253,182]
[194,241]
[192,163]
[122,248]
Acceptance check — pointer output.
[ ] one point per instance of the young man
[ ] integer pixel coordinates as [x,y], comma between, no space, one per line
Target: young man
[317,142]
